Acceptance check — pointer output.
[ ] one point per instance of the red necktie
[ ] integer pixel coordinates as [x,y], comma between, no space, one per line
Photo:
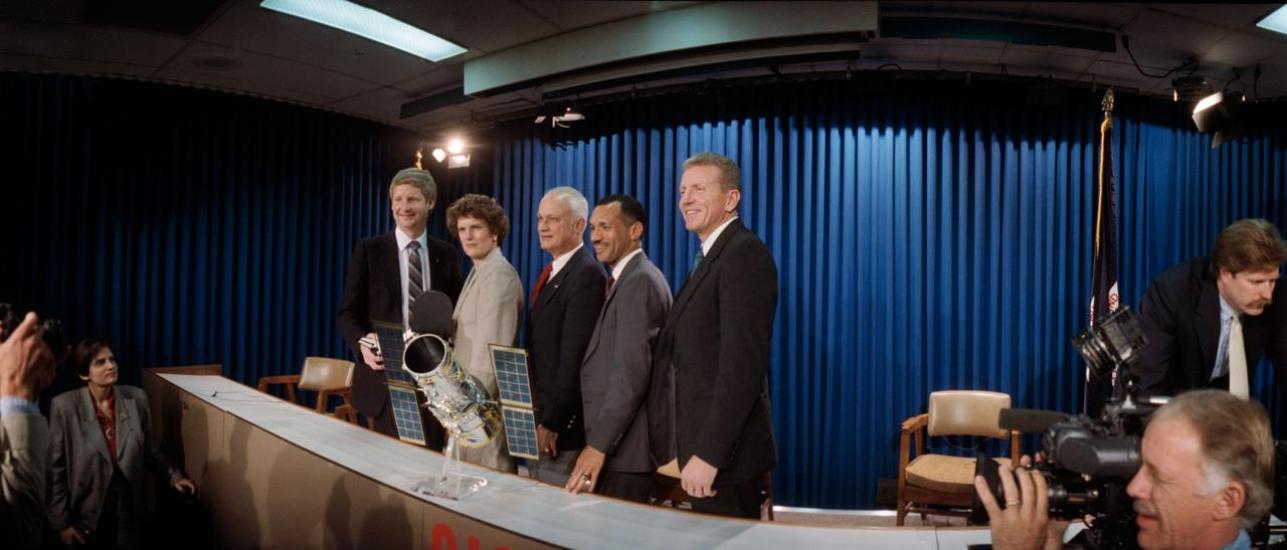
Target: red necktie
[540,282]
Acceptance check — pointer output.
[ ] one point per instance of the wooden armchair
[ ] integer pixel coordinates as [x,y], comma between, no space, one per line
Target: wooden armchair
[944,484]
[324,375]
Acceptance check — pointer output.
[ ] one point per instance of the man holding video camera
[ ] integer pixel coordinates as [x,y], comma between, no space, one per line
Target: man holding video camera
[26,368]
[1206,476]
[1210,320]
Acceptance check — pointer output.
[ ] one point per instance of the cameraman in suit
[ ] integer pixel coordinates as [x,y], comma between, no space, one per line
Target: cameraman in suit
[385,276]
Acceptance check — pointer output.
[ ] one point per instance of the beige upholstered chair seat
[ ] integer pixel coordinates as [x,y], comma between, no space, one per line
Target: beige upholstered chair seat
[325,373]
[944,473]
[944,484]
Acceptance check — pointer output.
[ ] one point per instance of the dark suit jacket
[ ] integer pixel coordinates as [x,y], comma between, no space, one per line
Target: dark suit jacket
[558,332]
[618,366]
[1180,315]
[373,292]
[710,375]
[81,468]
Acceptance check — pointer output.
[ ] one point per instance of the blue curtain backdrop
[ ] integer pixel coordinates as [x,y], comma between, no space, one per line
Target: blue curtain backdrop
[188,226]
[926,238]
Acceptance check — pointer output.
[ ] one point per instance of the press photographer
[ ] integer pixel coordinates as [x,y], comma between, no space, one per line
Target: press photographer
[1206,476]
[26,368]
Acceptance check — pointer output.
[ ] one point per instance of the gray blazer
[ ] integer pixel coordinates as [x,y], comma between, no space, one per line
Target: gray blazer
[81,467]
[618,366]
[24,447]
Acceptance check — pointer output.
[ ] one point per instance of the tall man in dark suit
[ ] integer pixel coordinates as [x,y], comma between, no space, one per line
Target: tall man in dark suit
[385,276]
[709,412]
[1209,321]
[566,300]
[618,364]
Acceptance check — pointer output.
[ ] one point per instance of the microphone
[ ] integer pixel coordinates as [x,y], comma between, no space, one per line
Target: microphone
[1029,420]
[431,314]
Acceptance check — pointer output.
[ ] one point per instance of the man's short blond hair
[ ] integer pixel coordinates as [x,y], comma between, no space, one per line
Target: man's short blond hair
[730,176]
[418,178]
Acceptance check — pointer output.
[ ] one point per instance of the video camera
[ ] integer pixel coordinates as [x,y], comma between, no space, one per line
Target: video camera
[10,318]
[1089,461]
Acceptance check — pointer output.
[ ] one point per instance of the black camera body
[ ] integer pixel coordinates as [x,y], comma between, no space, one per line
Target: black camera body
[52,329]
[1089,461]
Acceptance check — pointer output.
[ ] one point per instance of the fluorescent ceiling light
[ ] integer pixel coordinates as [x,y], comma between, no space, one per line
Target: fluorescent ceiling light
[1276,20]
[368,23]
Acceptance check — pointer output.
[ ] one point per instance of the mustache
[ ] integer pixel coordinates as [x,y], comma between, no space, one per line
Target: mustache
[1144,508]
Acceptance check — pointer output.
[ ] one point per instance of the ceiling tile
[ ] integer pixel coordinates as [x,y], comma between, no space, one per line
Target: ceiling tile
[382,104]
[80,43]
[570,15]
[1170,35]
[273,76]
[485,25]
[1241,50]
[248,27]
[1231,15]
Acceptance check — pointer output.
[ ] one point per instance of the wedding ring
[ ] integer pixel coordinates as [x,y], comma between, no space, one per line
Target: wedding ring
[1011,503]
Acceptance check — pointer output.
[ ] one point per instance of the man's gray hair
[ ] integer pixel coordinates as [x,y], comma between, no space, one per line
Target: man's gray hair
[1236,446]
[730,176]
[574,200]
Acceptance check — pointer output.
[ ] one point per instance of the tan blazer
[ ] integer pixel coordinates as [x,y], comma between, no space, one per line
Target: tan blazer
[81,469]
[490,305]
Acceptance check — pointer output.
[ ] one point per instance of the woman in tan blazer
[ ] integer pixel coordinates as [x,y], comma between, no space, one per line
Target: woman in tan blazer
[490,305]
[99,445]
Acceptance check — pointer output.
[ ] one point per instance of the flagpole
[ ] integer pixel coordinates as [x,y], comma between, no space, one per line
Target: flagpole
[1107,124]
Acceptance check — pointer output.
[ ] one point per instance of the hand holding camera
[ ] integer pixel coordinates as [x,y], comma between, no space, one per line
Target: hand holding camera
[26,359]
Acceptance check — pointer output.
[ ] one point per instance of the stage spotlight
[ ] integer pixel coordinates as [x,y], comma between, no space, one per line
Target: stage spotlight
[1220,113]
[439,154]
[571,115]
[455,145]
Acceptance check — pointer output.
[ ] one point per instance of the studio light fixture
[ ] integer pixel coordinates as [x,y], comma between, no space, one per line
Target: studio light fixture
[1276,21]
[1220,113]
[562,120]
[369,24]
[1189,88]
[456,145]
[439,154]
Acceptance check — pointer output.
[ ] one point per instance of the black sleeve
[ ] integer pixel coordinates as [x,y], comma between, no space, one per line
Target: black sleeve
[353,318]
[574,337]
[1158,321]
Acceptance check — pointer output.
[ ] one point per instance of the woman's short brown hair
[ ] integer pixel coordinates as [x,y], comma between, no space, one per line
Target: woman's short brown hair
[480,207]
[83,356]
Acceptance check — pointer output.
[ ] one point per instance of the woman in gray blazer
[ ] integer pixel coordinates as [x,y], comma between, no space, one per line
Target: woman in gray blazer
[489,307]
[99,445]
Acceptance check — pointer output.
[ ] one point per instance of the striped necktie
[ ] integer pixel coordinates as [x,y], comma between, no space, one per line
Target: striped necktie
[415,274]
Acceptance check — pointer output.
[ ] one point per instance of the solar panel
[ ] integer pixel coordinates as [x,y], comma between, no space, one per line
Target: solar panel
[520,432]
[510,366]
[511,375]
[404,400]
